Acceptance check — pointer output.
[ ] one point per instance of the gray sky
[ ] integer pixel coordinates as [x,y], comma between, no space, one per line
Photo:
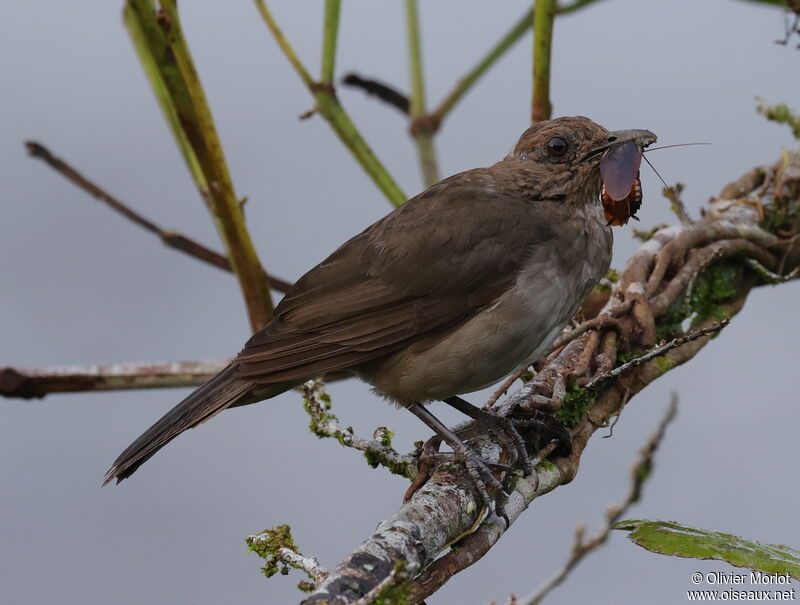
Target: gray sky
[83,286]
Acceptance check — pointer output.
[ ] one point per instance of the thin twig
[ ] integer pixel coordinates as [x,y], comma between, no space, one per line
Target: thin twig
[505,385]
[604,320]
[771,277]
[384,92]
[308,564]
[420,130]
[574,6]
[544,15]
[284,44]
[673,195]
[329,108]
[171,239]
[377,451]
[491,57]
[657,352]
[33,383]
[279,551]
[640,472]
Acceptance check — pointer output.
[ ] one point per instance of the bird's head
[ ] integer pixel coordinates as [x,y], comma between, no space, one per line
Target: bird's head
[561,159]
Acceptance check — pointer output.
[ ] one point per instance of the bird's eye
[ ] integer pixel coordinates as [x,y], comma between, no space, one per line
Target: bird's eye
[557,147]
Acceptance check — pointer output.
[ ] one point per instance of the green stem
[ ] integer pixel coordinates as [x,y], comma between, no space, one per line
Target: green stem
[165,56]
[544,14]
[420,130]
[415,61]
[574,6]
[333,112]
[330,108]
[329,40]
[427,158]
[497,51]
[283,43]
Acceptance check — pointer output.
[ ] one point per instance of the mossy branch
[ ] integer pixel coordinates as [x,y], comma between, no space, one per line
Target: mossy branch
[165,56]
[276,546]
[378,451]
[658,278]
[780,113]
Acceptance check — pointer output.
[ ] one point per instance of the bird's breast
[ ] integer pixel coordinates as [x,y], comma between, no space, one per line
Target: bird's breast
[511,332]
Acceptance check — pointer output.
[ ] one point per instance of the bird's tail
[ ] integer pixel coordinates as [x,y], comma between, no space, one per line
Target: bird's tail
[223,391]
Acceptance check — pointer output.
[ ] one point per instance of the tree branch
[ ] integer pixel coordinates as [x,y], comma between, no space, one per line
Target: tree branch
[644,302]
[276,546]
[656,352]
[171,239]
[34,383]
[377,451]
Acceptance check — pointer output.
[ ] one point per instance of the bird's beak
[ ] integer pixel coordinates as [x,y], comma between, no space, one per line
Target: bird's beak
[642,138]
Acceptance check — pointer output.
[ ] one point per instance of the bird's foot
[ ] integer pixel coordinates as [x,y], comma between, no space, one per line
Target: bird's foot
[541,427]
[504,429]
[482,476]
[481,472]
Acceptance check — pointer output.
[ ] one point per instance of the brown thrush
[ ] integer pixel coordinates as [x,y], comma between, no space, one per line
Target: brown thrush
[462,285]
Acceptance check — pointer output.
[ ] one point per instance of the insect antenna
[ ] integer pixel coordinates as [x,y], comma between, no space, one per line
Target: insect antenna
[672,196]
[670,146]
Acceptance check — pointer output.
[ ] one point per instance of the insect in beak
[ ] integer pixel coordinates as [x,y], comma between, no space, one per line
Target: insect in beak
[622,155]
[619,171]
[622,188]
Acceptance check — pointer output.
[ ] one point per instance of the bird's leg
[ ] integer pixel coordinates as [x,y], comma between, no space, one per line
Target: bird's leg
[477,468]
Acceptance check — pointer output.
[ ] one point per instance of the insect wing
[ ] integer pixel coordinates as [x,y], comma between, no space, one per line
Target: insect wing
[619,168]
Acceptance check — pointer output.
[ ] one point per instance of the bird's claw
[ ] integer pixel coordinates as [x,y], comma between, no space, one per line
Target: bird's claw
[480,472]
[505,429]
[550,430]
[482,475]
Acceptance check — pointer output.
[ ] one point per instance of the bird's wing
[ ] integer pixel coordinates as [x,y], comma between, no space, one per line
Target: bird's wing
[425,268]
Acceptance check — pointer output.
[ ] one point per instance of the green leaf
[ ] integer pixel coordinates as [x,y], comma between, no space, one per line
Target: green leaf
[670,538]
